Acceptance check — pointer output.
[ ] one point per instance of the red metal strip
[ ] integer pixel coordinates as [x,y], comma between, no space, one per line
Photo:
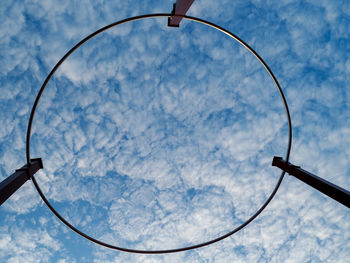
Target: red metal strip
[179,10]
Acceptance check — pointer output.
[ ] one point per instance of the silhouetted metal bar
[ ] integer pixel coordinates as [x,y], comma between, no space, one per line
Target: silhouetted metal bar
[12,183]
[179,10]
[337,193]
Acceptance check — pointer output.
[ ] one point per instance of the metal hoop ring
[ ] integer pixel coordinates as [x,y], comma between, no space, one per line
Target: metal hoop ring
[165,250]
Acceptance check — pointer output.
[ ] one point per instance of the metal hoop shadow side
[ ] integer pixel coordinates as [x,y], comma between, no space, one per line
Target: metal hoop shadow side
[164,250]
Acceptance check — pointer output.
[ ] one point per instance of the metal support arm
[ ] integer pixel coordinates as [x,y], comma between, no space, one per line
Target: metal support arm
[337,193]
[179,10]
[12,183]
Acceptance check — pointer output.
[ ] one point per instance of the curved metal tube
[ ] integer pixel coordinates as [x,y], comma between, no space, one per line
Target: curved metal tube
[174,249]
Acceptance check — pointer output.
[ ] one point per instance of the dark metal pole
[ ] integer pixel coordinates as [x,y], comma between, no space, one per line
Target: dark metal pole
[179,10]
[12,183]
[337,193]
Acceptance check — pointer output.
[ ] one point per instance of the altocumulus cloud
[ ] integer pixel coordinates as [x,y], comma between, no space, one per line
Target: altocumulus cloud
[145,147]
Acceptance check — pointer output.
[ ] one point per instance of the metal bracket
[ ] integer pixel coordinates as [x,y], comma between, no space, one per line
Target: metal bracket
[335,192]
[12,183]
[180,9]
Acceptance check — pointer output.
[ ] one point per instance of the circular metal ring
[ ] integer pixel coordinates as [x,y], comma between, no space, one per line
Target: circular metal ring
[174,249]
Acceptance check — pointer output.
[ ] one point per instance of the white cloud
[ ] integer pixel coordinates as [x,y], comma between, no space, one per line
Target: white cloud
[29,245]
[140,146]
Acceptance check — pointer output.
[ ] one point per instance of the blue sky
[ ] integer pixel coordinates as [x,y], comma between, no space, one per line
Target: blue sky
[147,147]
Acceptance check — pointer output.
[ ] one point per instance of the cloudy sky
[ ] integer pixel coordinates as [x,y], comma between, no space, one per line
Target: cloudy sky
[157,138]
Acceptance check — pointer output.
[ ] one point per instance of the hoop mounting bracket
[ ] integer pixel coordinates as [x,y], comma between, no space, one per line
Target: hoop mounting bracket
[180,9]
[333,191]
[12,183]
